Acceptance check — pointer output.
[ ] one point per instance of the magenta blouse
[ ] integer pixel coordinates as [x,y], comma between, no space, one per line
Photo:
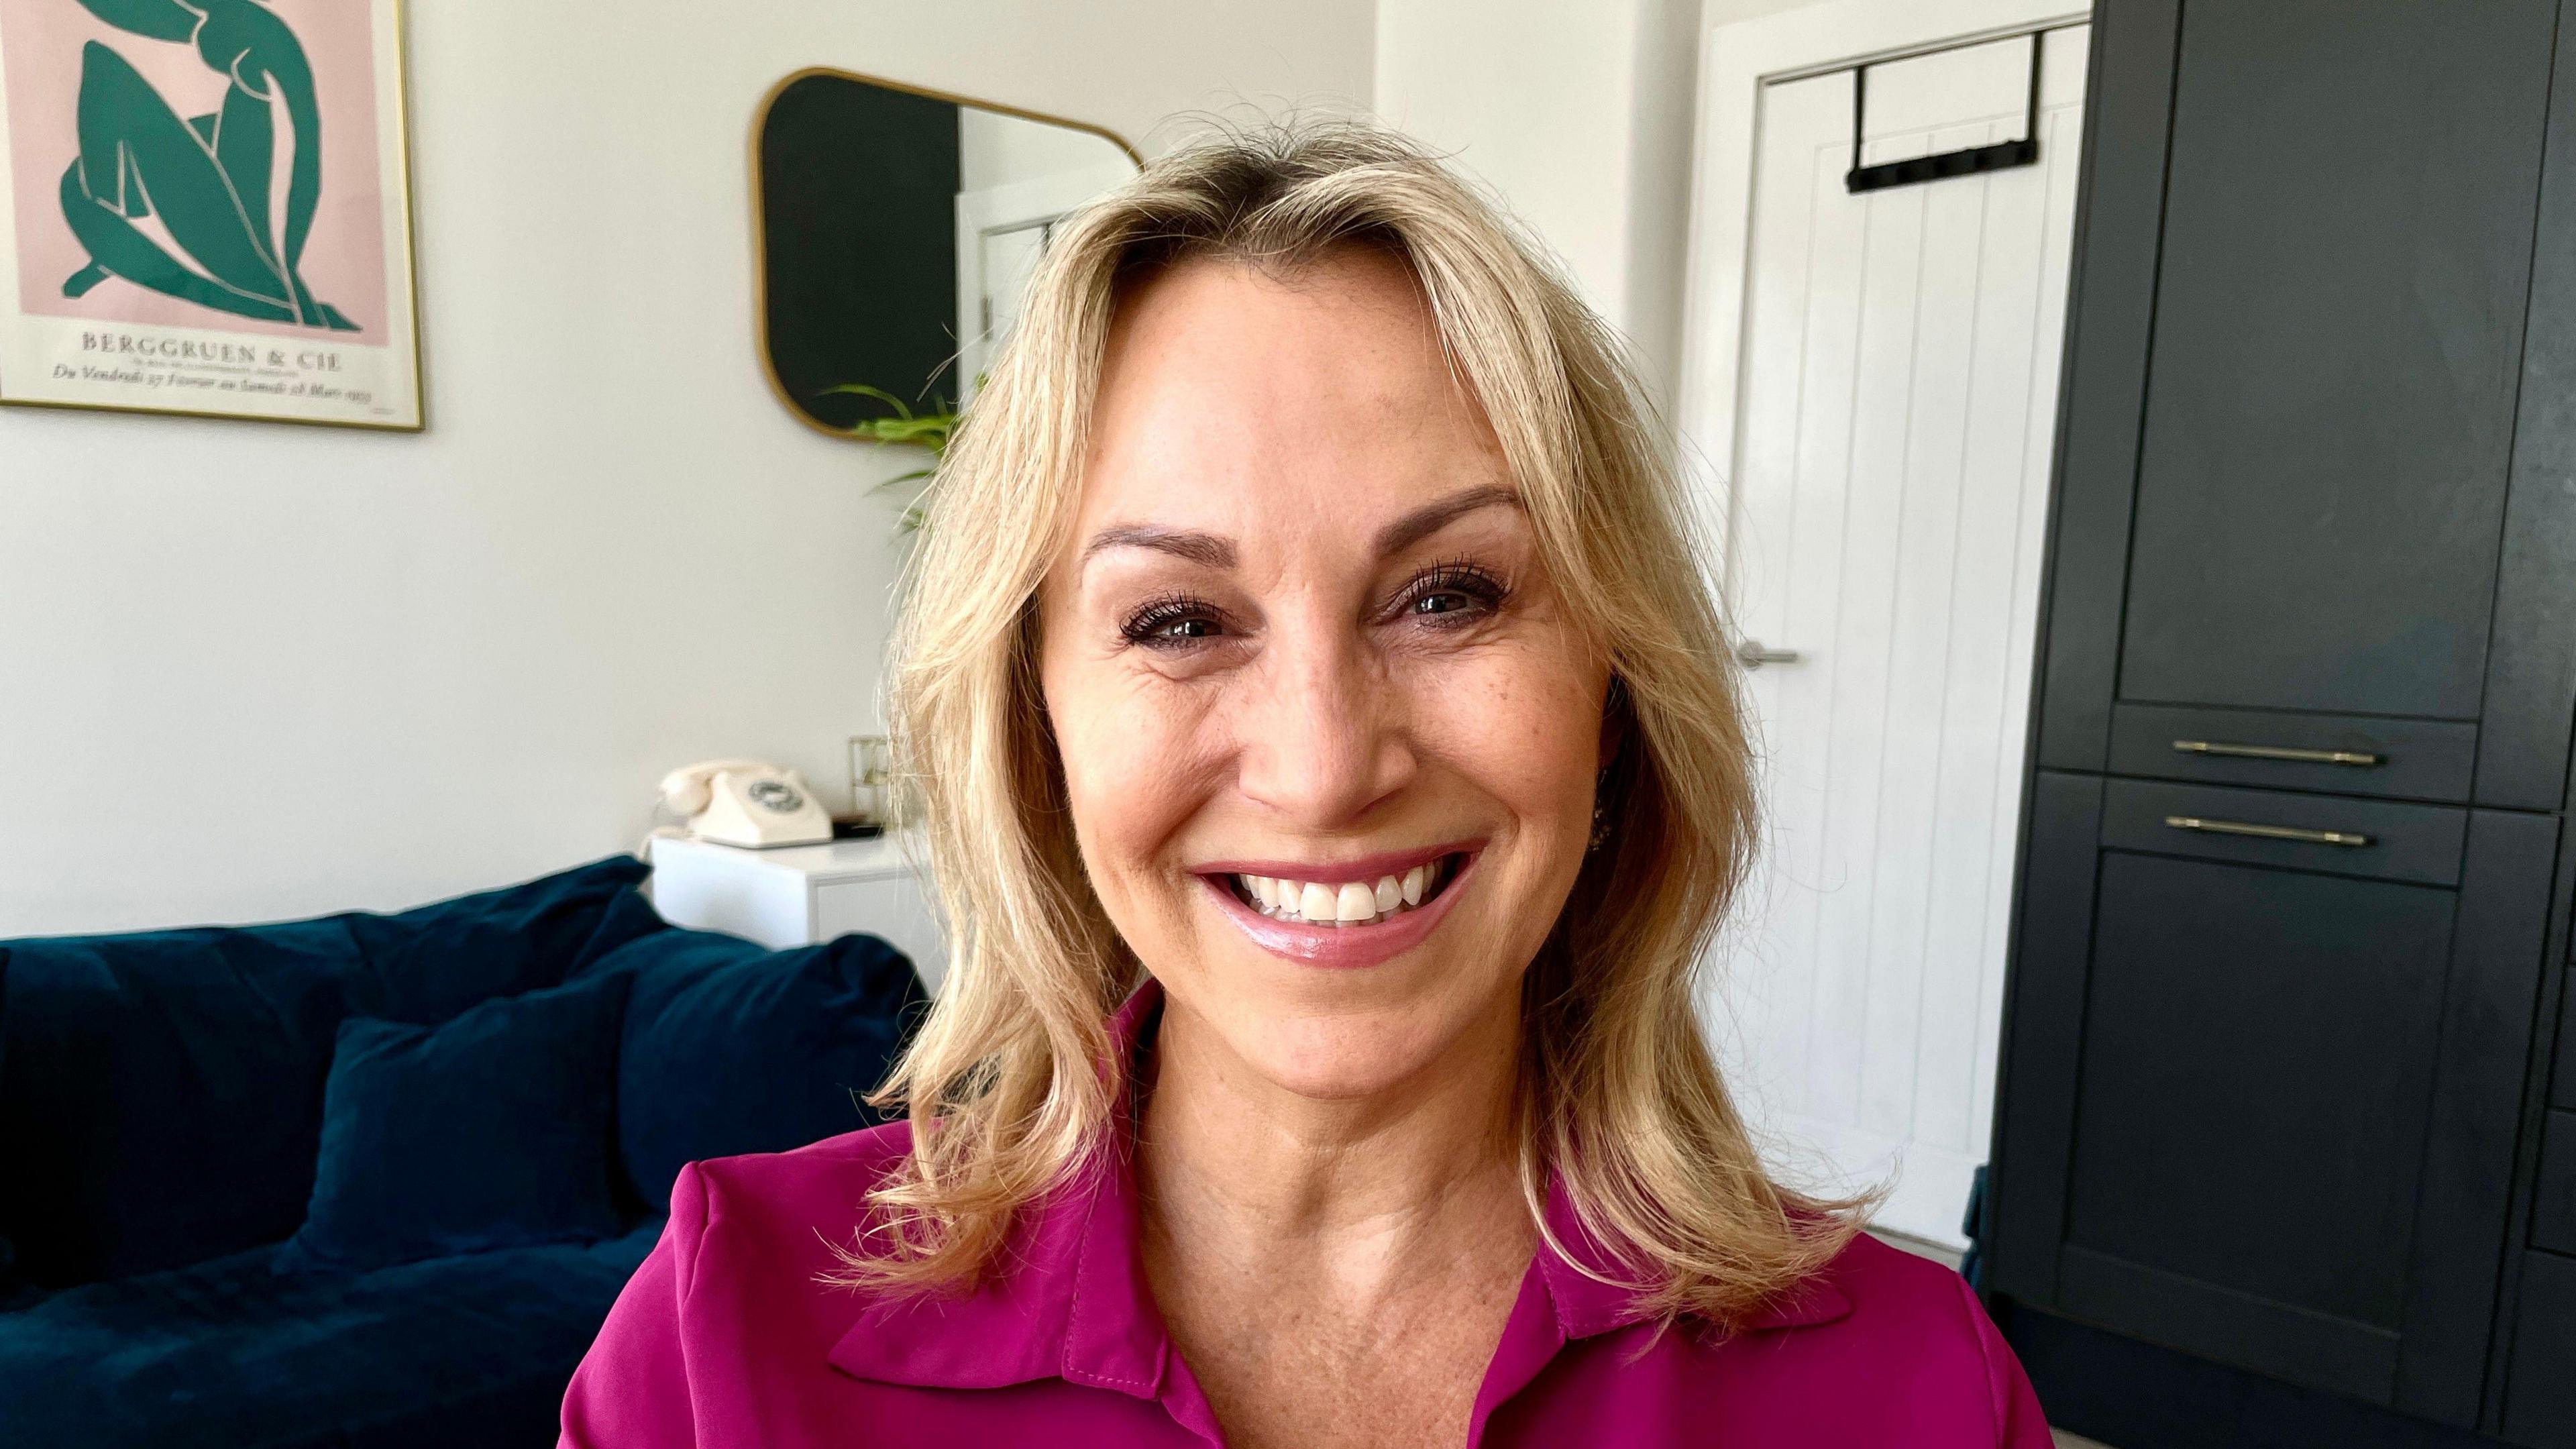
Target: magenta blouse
[725,1338]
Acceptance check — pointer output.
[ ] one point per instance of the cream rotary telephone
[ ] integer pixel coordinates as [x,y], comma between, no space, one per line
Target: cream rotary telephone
[746,802]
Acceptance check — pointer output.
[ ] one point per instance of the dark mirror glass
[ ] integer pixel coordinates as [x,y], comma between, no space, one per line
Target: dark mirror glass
[896,231]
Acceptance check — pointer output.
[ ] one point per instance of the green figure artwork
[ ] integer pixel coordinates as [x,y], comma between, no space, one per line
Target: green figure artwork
[211,179]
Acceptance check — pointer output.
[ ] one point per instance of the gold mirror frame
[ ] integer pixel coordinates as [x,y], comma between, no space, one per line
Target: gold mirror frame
[760,223]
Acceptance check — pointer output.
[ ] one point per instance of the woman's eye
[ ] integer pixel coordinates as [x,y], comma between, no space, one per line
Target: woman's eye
[1452,594]
[1170,624]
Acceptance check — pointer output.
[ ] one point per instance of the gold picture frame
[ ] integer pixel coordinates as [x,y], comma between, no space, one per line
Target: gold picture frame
[146,276]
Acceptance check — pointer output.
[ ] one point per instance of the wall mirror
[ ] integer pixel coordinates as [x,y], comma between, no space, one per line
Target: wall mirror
[896,229]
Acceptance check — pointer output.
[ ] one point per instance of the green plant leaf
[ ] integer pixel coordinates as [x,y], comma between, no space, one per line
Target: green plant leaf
[880,394]
[930,430]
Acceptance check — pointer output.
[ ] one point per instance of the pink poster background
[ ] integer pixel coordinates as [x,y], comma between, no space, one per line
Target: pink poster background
[344,260]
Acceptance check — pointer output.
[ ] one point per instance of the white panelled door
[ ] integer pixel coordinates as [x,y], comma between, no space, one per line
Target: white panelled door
[1897,396]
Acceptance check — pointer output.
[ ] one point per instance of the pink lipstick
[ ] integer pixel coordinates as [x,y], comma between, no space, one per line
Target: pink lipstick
[1356,945]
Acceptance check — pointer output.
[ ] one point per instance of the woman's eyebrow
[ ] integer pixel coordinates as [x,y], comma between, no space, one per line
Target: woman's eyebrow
[1199,548]
[1432,517]
[1217,552]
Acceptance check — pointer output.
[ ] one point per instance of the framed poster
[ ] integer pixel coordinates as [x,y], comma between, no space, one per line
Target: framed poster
[205,207]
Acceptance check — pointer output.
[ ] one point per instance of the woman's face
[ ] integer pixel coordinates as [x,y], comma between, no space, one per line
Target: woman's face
[1329,736]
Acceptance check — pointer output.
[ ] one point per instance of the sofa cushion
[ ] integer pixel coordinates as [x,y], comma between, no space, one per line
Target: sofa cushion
[491,1131]
[731,1047]
[629,916]
[468,1350]
[161,1092]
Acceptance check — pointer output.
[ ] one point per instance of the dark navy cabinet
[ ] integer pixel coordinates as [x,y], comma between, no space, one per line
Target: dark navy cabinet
[2276,1159]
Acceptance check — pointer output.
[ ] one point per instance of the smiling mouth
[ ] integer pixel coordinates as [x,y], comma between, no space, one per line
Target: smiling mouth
[1342,904]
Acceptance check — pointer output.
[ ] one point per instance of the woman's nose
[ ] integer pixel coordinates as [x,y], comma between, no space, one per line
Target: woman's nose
[1322,737]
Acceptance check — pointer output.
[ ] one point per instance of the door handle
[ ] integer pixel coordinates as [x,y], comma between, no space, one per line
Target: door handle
[2267,832]
[1752,655]
[2277,752]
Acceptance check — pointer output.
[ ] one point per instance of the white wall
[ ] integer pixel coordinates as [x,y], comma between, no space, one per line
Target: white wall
[994,149]
[1714,13]
[254,670]
[1580,116]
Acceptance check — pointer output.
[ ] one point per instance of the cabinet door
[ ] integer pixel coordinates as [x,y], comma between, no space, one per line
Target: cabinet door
[2540,1398]
[2294,377]
[2347,243]
[2260,1091]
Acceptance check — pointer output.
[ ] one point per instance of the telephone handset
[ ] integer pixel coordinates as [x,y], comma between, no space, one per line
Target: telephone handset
[746,802]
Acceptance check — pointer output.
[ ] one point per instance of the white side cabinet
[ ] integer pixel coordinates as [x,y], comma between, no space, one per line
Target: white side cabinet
[800,894]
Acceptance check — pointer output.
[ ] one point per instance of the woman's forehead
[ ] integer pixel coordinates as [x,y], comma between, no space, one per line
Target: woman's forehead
[1271,546]
[1227,392]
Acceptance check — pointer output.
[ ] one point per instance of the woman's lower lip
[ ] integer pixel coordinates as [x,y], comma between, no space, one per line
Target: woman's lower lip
[1345,947]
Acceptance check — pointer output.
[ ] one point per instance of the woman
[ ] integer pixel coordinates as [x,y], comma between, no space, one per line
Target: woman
[209,178]
[1333,772]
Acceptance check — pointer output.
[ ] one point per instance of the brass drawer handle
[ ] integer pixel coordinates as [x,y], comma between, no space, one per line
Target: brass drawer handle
[2267,832]
[2277,752]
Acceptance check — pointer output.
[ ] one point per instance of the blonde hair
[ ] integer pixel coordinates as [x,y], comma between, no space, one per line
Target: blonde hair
[1009,1083]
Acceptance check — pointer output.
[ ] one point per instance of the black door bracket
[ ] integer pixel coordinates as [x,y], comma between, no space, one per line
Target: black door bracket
[1966,162]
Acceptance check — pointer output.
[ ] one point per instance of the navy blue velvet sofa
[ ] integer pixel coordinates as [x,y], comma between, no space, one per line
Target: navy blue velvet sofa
[165,1097]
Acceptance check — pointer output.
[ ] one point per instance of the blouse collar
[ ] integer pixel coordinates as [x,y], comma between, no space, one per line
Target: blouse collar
[1073,1302]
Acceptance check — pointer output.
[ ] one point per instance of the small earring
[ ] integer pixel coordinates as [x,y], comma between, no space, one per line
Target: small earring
[1600,819]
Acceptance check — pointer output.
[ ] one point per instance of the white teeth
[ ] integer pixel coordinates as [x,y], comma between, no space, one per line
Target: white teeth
[1351,903]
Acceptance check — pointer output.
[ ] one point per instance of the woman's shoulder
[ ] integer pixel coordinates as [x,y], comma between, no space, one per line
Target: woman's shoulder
[1883,1281]
[770,1205]
[733,1291]
[1885,1296]
[1900,1318]
[824,1171]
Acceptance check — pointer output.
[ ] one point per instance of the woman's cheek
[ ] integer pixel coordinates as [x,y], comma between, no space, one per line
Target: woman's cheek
[1524,723]
[1127,752]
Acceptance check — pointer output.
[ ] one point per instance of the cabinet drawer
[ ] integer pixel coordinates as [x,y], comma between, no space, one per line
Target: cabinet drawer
[2375,839]
[2540,1396]
[2337,754]
[2553,1208]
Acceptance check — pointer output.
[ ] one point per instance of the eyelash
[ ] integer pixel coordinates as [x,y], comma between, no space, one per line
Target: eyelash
[1456,576]
[1142,626]
[1453,576]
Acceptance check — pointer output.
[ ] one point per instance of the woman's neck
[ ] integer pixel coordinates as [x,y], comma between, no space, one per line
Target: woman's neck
[1358,1197]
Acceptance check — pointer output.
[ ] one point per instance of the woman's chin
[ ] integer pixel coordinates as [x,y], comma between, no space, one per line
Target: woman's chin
[1336,1082]
[1348,1057]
